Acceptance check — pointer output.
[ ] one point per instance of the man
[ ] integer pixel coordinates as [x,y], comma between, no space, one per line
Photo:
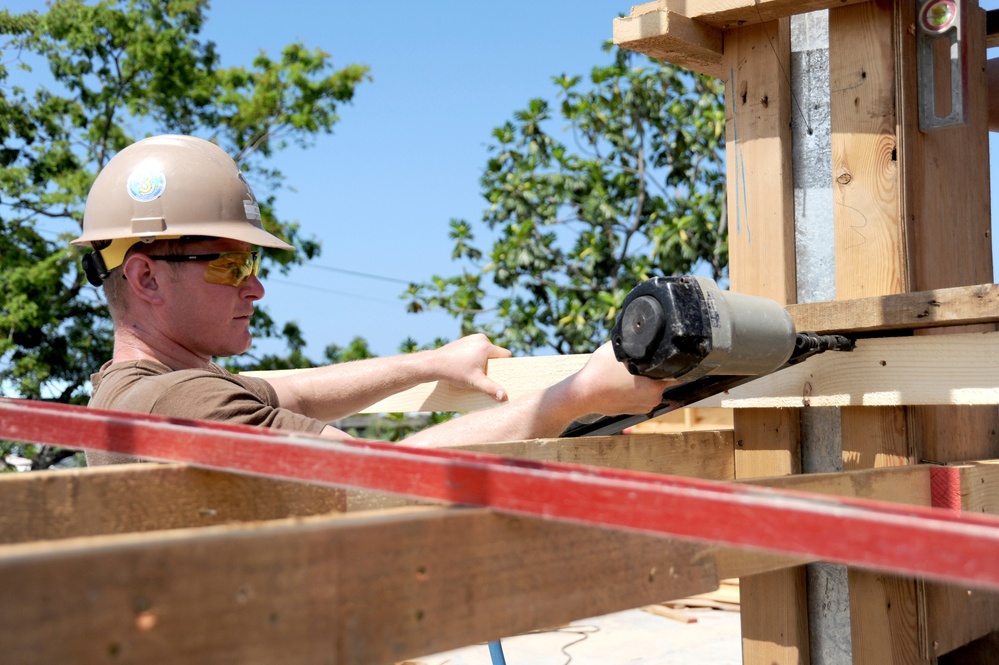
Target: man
[173,225]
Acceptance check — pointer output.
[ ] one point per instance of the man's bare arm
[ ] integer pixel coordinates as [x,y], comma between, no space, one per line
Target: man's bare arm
[337,391]
[603,386]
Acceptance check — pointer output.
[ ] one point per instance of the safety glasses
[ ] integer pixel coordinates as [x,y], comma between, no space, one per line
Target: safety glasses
[232,268]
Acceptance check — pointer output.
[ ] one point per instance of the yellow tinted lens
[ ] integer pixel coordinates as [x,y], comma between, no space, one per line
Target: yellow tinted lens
[232,268]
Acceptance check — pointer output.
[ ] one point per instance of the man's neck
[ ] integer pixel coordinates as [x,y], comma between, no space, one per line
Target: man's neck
[133,343]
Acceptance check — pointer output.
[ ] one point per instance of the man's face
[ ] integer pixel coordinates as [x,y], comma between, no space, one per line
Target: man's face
[208,319]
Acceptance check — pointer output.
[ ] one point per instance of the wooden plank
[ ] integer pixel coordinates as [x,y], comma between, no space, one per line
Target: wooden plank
[74,503]
[705,454]
[518,376]
[890,371]
[955,306]
[690,34]
[727,14]
[674,38]
[910,485]
[979,487]
[960,307]
[144,497]
[375,588]
[761,251]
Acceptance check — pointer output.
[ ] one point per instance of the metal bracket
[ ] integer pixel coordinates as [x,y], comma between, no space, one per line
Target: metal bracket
[941,23]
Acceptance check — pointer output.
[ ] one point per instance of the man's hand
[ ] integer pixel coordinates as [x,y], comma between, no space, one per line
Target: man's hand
[462,363]
[612,389]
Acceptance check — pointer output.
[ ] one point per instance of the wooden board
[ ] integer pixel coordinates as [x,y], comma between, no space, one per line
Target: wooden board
[955,306]
[668,35]
[704,454]
[518,376]
[145,497]
[882,372]
[365,589]
[761,252]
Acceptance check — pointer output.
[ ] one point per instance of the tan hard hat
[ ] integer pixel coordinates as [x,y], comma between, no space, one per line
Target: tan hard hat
[168,187]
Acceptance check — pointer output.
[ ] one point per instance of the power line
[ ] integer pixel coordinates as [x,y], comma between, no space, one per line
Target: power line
[383,278]
[366,298]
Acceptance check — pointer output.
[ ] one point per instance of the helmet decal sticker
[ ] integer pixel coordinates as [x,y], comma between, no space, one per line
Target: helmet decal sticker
[145,186]
[251,209]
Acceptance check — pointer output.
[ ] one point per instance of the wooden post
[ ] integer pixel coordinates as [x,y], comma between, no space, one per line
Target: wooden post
[911,213]
[761,246]
[946,212]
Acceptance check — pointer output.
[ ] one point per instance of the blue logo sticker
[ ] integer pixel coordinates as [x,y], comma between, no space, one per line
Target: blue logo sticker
[145,186]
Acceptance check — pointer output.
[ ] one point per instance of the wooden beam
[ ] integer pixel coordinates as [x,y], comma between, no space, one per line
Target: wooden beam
[891,371]
[706,454]
[518,376]
[670,36]
[369,588]
[727,14]
[943,369]
[955,306]
[761,251]
[124,498]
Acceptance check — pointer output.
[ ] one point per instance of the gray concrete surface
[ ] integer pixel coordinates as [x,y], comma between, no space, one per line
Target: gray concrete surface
[625,638]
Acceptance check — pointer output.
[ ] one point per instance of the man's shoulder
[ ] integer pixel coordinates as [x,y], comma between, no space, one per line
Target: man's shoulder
[137,385]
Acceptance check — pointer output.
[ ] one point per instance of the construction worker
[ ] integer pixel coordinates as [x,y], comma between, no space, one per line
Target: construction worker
[174,229]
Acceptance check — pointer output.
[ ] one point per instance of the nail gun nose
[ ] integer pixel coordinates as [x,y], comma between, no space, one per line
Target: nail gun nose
[642,324]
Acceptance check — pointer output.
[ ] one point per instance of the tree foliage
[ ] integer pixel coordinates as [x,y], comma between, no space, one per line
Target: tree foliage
[82,81]
[119,70]
[636,189]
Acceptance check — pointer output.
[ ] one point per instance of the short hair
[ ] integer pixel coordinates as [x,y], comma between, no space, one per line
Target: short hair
[114,284]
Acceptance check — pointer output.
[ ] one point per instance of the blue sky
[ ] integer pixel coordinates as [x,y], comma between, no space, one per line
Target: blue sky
[408,153]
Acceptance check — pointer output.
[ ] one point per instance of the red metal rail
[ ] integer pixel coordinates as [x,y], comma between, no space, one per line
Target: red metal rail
[927,542]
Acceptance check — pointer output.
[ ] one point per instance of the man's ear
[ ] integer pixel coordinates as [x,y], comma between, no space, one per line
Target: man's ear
[144,278]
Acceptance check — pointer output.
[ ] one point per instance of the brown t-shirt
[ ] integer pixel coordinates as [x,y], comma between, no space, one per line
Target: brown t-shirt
[146,386]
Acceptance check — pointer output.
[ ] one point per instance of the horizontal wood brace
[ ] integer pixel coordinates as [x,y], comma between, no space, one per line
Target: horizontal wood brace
[690,33]
[891,371]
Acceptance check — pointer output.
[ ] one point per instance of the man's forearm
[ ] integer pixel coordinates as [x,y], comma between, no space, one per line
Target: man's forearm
[337,391]
[542,415]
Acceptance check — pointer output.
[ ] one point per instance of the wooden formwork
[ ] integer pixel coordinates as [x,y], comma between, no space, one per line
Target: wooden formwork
[169,563]
[911,212]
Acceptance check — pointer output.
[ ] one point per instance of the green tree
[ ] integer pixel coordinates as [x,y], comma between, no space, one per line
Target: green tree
[107,74]
[638,192]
